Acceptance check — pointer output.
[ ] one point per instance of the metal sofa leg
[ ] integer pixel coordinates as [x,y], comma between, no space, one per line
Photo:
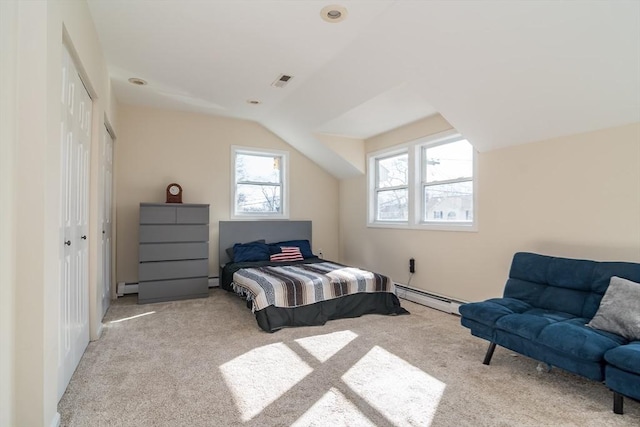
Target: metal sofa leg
[618,401]
[489,355]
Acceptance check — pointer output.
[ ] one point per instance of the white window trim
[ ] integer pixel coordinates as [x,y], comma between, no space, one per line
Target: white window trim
[235,149]
[373,185]
[413,148]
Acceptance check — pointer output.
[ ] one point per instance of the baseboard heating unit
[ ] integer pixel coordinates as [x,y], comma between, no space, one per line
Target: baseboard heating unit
[428,299]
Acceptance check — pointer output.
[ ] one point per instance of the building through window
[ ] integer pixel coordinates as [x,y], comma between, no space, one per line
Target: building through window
[429,183]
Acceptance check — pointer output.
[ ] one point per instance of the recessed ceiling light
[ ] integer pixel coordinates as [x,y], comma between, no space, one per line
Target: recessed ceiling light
[137,81]
[253,102]
[334,13]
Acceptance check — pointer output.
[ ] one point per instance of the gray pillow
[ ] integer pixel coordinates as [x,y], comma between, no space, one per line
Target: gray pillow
[619,310]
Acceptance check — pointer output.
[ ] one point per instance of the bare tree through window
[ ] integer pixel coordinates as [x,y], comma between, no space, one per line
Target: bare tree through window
[258,183]
[392,188]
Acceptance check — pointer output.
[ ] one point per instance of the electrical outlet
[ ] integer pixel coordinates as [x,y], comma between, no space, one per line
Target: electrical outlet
[412,265]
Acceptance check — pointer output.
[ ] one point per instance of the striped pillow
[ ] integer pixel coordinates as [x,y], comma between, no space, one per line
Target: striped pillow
[287,253]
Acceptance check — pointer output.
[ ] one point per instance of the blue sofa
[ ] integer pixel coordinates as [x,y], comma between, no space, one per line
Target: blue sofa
[546,304]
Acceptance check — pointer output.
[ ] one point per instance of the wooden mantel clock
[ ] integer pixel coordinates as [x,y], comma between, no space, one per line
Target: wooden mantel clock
[174,193]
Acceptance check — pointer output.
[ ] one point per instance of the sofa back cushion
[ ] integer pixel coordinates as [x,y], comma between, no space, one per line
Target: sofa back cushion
[572,286]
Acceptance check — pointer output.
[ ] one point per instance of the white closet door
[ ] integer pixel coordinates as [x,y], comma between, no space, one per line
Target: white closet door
[74,293]
[105,217]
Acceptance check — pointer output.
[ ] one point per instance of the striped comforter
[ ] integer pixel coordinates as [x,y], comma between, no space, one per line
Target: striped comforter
[301,284]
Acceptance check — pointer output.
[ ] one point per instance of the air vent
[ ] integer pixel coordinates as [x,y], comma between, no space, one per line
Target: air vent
[282,80]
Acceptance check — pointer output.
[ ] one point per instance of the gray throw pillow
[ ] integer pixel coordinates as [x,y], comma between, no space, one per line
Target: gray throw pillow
[619,310]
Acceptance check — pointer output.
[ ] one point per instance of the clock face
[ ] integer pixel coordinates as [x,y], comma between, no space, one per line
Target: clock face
[174,190]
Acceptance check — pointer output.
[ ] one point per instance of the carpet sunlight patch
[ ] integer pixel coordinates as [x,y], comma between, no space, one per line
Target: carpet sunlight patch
[132,317]
[335,410]
[403,394]
[261,376]
[323,347]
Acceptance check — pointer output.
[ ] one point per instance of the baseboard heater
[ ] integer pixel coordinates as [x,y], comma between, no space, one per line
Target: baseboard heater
[428,299]
[132,288]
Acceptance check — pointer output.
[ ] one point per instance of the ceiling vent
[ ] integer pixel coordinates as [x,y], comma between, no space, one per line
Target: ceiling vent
[282,80]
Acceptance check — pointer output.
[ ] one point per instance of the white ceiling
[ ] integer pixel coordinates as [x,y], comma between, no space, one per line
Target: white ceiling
[501,73]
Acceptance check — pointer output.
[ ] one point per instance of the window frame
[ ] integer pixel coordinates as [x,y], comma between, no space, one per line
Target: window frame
[378,189]
[284,183]
[417,182]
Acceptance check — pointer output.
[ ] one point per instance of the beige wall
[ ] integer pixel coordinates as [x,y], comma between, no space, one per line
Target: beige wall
[576,196]
[32,46]
[350,149]
[8,55]
[157,147]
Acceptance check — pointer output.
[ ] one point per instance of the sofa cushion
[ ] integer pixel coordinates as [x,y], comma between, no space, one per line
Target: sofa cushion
[626,357]
[489,311]
[619,310]
[530,323]
[575,339]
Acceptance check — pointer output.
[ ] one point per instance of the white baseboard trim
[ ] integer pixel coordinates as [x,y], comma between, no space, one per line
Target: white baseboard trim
[132,288]
[99,331]
[55,422]
[428,299]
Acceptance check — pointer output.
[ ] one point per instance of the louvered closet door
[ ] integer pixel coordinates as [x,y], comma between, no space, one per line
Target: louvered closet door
[75,138]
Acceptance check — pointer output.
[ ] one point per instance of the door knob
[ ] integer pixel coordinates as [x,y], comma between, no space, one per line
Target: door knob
[68,243]
[84,237]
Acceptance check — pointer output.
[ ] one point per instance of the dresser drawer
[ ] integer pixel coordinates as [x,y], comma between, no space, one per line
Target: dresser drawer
[172,251]
[162,270]
[158,214]
[173,233]
[168,290]
[192,215]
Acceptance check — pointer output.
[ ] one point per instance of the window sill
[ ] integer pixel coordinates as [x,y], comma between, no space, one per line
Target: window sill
[473,228]
[255,217]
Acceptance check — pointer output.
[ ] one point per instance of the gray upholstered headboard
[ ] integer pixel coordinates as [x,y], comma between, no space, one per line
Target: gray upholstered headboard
[231,232]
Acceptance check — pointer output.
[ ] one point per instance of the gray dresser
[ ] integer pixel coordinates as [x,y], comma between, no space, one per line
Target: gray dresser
[173,252]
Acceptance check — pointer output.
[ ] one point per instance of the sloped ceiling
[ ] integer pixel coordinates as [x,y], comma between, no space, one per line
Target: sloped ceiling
[502,73]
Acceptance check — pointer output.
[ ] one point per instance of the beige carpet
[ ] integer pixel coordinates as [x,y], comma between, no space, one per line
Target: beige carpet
[205,362]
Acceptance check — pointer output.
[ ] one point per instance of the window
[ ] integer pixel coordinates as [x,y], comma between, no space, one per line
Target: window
[447,183]
[259,183]
[427,183]
[392,187]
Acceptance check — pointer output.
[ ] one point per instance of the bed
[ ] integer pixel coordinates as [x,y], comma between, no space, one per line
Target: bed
[271,265]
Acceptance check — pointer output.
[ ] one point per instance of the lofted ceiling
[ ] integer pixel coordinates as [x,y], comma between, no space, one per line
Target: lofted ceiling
[502,73]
